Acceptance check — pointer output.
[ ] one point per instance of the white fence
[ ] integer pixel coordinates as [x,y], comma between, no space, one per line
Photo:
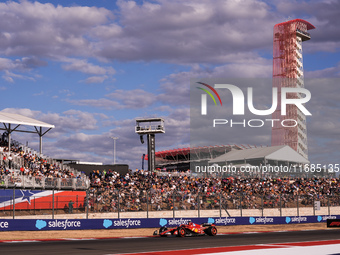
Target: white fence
[21,181]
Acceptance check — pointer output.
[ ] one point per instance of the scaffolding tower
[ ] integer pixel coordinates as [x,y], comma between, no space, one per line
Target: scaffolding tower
[288,72]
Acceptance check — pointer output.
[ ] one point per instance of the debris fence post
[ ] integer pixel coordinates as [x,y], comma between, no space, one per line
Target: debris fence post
[147,204]
[262,205]
[53,204]
[14,202]
[173,204]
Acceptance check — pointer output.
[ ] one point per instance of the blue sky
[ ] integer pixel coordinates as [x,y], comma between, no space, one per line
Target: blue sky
[92,67]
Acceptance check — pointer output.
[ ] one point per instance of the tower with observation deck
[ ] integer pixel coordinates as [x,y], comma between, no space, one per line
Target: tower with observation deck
[288,72]
[150,127]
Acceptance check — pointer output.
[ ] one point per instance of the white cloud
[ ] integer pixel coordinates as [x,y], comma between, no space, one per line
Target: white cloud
[205,31]
[176,87]
[96,79]
[68,121]
[216,38]
[121,99]
[189,32]
[133,99]
[47,31]
[8,76]
[327,72]
[185,32]
[83,66]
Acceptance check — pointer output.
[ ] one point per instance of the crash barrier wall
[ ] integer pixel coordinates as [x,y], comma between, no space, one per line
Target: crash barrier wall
[119,204]
[78,213]
[82,224]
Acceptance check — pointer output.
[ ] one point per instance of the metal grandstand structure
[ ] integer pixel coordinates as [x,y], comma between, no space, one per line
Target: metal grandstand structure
[19,123]
[273,155]
[288,72]
[11,123]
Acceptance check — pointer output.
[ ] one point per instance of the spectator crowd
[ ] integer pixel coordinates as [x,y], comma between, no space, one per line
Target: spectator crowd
[187,192]
[138,190]
[29,164]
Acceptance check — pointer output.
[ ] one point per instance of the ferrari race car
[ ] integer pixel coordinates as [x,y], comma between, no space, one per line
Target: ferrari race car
[190,229]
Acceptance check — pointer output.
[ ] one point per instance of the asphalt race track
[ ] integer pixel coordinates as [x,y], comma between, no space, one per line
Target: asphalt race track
[130,245]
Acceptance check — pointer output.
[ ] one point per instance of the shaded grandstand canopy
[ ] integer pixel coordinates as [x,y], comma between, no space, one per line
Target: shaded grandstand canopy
[11,123]
[282,153]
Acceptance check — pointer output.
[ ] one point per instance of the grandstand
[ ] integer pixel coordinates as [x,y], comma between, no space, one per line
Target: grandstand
[274,155]
[28,170]
[111,191]
[187,158]
[23,167]
[88,167]
[180,159]
[24,123]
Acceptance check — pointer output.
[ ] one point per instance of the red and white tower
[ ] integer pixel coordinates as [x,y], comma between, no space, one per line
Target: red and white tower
[288,72]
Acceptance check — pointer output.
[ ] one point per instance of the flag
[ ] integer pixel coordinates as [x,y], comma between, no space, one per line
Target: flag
[40,199]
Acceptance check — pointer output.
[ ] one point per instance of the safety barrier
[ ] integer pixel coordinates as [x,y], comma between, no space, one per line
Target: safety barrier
[82,224]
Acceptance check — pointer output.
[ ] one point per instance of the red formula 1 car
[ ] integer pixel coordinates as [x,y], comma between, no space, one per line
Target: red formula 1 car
[190,229]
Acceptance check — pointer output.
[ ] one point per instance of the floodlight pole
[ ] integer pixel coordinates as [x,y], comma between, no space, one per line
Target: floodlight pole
[114,149]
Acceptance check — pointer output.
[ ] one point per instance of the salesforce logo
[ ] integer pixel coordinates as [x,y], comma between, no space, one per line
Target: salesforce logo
[40,224]
[107,223]
[261,220]
[163,222]
[251,220]
[57,224]
[3,224]
[211,220]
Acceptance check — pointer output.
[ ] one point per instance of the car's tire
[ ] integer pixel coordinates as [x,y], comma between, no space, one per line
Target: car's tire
[212,231]
[181,232]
